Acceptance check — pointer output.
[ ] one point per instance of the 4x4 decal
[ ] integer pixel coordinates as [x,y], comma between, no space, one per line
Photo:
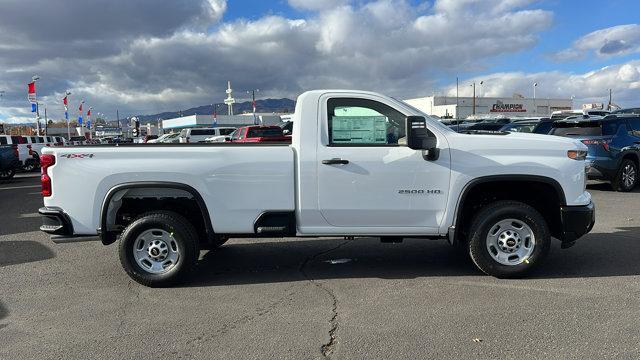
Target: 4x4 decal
[77,156]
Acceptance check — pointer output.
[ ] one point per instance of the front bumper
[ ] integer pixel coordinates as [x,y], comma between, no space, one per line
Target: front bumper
[576,221]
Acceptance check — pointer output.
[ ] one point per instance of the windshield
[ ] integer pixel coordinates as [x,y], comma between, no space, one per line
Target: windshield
[264,132]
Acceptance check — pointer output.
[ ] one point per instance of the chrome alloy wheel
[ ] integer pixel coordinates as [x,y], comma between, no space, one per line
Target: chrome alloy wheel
[156,251]
[629,175]
[510,242]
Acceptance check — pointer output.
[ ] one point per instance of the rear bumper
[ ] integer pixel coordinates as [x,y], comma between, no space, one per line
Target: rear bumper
[57,223]
[576,221]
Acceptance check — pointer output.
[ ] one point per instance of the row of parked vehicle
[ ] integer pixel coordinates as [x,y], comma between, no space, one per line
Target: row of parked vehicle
[612,139]
[23,152]
[244,134]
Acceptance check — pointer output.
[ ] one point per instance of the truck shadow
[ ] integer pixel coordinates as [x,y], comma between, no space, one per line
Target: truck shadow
[3,314]
[19,252]
[602,186]
[596,255]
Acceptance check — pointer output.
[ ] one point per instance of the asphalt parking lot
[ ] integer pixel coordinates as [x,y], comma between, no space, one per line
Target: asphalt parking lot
[293,298]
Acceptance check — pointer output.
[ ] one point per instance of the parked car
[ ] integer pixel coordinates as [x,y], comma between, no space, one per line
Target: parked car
[633,111]
[613,147]
[259,133]
[148,138]
[563,114]
[521,126]
[223,134]
[170,139]
[342,176]
[194,135]
[9,162]
[28,160]
[77,140]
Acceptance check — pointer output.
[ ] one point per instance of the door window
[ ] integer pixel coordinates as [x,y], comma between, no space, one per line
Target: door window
[363,122]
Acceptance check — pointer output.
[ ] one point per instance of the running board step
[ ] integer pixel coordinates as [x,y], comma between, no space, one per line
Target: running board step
[271,229]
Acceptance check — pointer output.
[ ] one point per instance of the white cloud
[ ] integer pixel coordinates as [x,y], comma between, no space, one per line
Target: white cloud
[316,5]
[170,61]
[604,43]
[593,86]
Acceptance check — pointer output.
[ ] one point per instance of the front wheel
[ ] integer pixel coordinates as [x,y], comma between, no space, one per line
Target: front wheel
[159,248]
[508,239]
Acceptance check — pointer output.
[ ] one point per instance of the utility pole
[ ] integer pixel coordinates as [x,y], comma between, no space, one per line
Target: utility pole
[457,107]
[474,97]
[46,122]
[535,106]
[609,106]
[253,104]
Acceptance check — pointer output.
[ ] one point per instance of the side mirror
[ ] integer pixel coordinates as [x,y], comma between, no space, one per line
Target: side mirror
[420,138]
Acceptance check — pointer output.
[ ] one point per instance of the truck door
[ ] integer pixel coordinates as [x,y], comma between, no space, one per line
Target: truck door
[368,177]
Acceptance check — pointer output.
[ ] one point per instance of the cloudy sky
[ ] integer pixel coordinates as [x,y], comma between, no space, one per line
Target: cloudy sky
[149,56]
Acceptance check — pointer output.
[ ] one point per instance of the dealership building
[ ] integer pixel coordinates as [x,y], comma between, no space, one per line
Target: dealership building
[463,107]
[221,120]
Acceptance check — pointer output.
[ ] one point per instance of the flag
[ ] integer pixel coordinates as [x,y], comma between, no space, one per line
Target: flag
[31,93]
[64,101]
[80,108]
[66,114]
[254,106]
[88,124]
[34,107]
[80,119]
[215,117]
[89,113]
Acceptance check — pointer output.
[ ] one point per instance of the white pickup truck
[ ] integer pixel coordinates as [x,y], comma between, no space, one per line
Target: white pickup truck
[360,165]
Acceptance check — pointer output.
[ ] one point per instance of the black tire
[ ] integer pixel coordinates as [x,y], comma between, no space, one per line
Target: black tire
[629,168]
[489,217]
[184,234]
[7,174]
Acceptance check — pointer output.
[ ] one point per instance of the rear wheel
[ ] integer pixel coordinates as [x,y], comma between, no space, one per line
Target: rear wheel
[158,248]
[627,176]
[508,239]
[7,174]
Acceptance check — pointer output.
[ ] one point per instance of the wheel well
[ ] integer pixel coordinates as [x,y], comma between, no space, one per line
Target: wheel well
[124,205]
[632,157]
[542,196]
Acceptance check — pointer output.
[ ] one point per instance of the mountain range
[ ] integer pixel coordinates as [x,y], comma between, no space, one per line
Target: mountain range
[283,105]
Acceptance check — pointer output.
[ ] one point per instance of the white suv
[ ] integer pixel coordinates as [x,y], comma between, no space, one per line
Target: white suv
[196,135]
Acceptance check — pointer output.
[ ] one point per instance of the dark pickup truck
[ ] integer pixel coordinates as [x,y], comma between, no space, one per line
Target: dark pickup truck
[8,161]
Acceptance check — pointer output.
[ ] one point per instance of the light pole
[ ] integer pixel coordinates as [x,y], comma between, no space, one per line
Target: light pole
[253,103]
[66,112]
[474,97]
[535,106]
[35,78]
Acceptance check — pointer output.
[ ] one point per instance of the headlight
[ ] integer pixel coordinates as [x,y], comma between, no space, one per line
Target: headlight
[577,154]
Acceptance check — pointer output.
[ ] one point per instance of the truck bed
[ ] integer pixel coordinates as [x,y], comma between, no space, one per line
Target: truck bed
[260,178]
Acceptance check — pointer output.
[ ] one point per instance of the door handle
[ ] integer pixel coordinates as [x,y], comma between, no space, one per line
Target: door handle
[335,161]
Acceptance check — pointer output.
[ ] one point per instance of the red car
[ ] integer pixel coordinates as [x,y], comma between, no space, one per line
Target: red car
[253,134]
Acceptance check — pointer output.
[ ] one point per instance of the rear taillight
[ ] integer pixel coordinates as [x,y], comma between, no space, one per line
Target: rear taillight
[603,142]
[30,150]
[46,161]
[15,150]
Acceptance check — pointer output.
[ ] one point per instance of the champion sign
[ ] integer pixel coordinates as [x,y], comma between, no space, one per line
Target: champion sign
[499,106]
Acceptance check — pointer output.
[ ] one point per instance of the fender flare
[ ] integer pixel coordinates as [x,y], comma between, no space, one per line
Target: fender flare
[497,178]
[104,235]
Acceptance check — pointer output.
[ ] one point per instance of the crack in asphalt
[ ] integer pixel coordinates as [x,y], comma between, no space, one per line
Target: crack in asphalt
[328,348]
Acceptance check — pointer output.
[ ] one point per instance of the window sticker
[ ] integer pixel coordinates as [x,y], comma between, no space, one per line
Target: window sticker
[359,129]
